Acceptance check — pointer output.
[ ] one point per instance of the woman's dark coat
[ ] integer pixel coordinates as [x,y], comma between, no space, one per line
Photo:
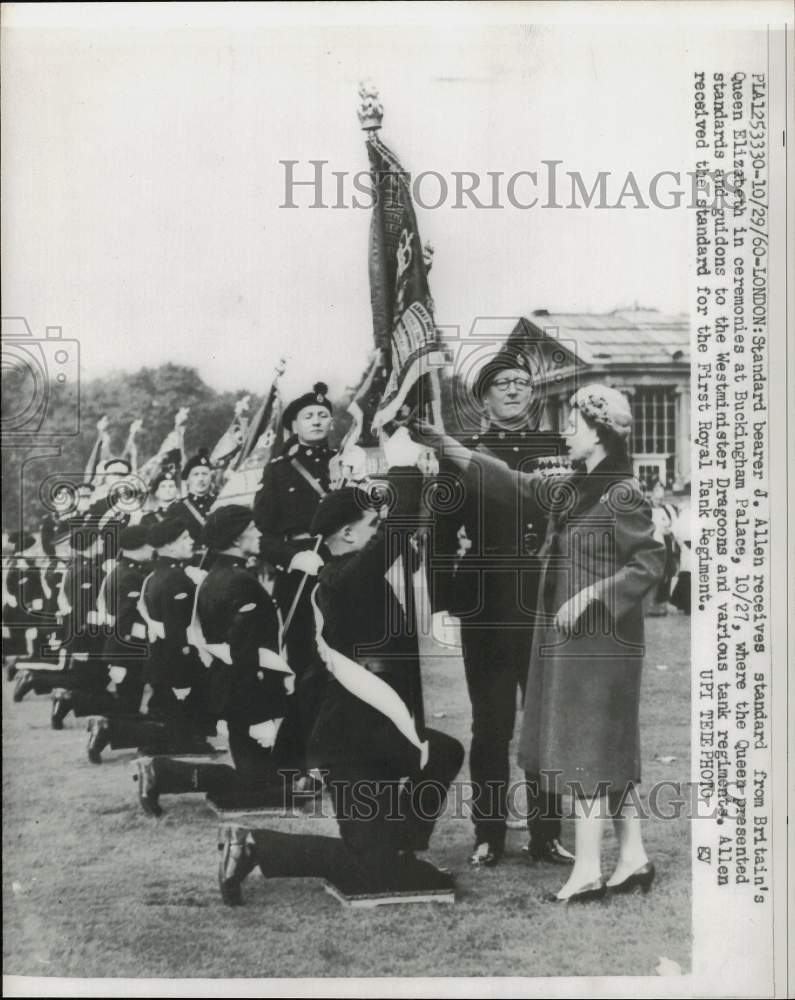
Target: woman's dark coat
[580,728]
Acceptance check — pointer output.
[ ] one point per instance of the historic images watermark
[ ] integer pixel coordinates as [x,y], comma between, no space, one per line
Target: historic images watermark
[313,184]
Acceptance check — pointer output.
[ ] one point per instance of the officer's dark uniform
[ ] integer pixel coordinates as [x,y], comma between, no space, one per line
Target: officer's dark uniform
[161,511]
[193,508]
[493,592]
[293,485]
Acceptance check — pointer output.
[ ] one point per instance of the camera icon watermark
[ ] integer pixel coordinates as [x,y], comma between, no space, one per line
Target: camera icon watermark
[41,383]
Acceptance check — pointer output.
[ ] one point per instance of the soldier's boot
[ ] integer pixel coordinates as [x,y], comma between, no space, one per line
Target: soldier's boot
[158,776]
[61,707]
[238,859]
[147,786]
[98,738]
[25,682]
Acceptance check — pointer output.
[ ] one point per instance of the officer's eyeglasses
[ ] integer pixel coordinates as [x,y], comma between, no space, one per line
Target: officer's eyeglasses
[503,384]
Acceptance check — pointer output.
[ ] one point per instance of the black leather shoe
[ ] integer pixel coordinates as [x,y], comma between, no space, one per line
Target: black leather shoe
[590,892]
[237,861]
[146,777]
[98,738]
[61,707]
[640,879]
[486,854]
[551,851]
[24,684]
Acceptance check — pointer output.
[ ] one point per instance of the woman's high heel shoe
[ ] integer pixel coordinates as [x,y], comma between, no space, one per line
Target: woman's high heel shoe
[590,891]
[640,879]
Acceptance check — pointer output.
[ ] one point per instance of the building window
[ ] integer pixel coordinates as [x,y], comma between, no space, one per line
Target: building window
[654,421]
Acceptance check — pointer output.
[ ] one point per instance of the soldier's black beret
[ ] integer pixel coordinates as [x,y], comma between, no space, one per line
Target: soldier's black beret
[317,397]
[165,474]
[201,458]
[507,358]
[134,536]
[21,540]
[338,508]
[226,524]
[166,531]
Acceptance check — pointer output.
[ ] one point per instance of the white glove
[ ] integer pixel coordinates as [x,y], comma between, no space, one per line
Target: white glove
[265,732]
[181,693]
[308,562]
[353,463]
[195,574]
[400,450]
[117,674]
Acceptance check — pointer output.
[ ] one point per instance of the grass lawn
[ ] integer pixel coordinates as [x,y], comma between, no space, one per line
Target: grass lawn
[94,888]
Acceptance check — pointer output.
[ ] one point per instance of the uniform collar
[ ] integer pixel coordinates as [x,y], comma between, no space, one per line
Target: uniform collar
[227,559]
[308,451]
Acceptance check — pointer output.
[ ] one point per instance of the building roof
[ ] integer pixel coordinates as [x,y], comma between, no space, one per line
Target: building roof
[624,336]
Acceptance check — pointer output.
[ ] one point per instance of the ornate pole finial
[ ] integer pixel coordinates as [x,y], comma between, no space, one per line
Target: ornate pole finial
[371,110]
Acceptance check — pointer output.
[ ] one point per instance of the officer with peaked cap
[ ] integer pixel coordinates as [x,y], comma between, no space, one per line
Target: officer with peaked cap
[293,484]
[250,683]
[495,600]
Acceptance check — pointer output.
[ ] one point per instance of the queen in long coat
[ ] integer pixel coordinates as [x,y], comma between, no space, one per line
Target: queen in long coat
[580,729]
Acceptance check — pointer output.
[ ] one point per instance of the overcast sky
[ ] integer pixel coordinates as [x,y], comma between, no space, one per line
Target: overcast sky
[142,182]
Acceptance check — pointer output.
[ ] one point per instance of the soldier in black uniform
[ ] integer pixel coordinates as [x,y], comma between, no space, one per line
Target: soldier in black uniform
[368,735]
[250,684]
[175,714]
[54,535]
[83,635]
[164,491]
[293,484]
[493,592]
[177,677]
[124,648]
[197,475]
[23,597]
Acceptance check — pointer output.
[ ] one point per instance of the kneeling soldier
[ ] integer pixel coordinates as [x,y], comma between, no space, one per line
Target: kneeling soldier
[250,683]
[124,649]
[368,736]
